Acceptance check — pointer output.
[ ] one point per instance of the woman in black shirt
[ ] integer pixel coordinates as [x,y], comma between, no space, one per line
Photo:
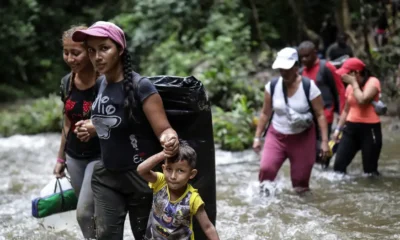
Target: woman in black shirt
[78,90]
[130,120]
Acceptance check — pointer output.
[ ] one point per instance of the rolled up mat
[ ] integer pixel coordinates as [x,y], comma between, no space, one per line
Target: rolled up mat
[58,202]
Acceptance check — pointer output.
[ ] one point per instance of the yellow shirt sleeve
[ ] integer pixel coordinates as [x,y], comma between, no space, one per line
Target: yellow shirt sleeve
[159,184]
[195,203]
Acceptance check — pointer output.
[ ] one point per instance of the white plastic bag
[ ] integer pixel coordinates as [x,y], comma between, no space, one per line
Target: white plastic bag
[62,221]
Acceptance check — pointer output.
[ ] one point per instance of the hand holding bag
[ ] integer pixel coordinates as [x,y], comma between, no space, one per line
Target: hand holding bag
[60,201]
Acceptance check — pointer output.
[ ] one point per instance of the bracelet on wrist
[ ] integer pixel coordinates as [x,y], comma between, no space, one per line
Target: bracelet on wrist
[60,160]
[257,138]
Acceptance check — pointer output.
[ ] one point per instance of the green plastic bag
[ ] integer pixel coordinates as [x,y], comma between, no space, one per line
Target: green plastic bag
[62,201]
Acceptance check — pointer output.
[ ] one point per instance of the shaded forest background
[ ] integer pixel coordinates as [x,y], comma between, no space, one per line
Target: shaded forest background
[228,44]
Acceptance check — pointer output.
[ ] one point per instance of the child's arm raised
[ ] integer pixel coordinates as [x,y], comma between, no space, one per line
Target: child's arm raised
[205,223]
[144,169]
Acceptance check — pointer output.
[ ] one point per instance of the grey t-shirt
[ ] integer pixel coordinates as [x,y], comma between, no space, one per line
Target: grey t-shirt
[119,146]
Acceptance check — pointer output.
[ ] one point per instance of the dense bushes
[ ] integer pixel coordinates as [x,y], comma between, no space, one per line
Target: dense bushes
[223,43]
[41,115]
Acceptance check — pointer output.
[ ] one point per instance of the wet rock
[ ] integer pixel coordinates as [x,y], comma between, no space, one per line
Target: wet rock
[393,108]
[394,127]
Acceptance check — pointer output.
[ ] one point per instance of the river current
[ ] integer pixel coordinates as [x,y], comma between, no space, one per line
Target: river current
[339,208]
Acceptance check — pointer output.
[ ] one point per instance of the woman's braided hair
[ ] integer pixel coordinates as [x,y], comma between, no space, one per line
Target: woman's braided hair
[129,85]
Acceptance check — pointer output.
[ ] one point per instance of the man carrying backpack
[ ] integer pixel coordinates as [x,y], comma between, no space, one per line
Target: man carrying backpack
[326,79]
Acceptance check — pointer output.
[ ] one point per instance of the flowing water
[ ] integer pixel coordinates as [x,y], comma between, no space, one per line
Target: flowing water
[341,207]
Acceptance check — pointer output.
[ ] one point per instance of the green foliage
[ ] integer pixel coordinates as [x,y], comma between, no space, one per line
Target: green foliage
[386,62]
[234,130]
[211,48]
[42,115]
[30,33]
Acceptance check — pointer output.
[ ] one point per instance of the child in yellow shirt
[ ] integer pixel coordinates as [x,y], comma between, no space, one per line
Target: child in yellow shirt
[175,201]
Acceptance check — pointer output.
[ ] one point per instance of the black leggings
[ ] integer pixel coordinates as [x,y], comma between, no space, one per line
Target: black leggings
[366,137]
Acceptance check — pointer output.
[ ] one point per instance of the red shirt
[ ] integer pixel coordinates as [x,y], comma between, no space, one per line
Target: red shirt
[312,74]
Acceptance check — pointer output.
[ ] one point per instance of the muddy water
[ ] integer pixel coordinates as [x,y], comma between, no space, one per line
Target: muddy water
[341,207]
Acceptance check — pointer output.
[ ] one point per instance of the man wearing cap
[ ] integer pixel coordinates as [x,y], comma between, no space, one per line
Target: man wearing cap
[330,84]
[288,103]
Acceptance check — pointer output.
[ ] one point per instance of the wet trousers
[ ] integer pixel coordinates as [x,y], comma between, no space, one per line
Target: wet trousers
[115,194]
[366,137]
[80,172]
[299,148]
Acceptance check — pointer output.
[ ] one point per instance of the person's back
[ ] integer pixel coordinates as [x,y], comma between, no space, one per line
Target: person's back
[339,48]
[175,201]
[328,33]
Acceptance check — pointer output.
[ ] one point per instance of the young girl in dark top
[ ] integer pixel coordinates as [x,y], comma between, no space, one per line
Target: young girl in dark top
[129,117]
[78,92]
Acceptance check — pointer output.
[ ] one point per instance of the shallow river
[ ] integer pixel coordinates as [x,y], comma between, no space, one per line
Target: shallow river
[341,207]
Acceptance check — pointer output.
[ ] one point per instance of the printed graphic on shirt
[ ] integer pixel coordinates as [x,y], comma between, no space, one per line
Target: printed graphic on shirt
[107,120]
[169,220]
[104,124]
[137,158]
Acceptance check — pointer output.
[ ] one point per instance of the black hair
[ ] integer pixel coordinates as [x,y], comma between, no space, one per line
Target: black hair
[186,153]
[306,45]
[129,85]
[365,74]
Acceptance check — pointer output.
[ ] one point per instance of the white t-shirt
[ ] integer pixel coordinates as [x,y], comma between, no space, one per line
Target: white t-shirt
[297,102]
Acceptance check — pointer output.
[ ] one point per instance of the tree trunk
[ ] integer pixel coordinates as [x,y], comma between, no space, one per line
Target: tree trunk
[342,16]
[364,20]
[294,5]
[257,25]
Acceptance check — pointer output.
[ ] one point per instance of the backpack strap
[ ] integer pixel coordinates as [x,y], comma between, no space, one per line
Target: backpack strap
[274,81]
[329,80]
[306,87]
[301,70]
[65,81]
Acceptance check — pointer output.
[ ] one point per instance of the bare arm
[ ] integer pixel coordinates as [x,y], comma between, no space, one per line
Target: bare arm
[343,116]
[59,168]
[205,224]
[264,115]
[318,107]
[144,169]
[366,96]
[154,110]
